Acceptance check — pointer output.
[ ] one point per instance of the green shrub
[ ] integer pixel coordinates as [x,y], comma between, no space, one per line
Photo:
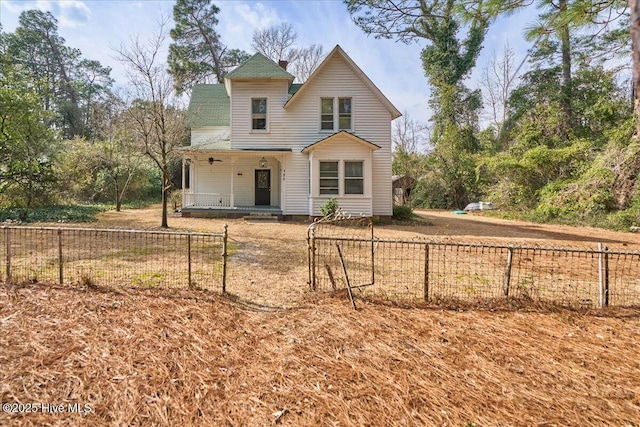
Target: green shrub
[402,212]
[175,199]
[330,207]
[71,213]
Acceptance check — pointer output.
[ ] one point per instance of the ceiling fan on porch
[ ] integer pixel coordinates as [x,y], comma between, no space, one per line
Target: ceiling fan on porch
[211,160]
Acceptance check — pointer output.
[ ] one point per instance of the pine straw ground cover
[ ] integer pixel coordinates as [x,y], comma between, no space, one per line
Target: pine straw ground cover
[168,357]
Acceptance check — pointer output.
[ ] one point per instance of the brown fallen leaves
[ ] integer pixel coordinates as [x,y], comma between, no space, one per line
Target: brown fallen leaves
[164,357]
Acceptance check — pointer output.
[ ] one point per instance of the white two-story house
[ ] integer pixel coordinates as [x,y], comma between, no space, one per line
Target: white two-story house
[260,143]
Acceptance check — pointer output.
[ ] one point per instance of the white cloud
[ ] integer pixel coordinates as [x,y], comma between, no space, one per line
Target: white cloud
[73,13]
[238,21]
[69,13]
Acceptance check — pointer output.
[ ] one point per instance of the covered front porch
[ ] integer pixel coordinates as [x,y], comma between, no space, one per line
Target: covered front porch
[232,182]
[236,211]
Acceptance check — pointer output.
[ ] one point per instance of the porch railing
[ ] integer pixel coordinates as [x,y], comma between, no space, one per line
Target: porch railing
[208,200]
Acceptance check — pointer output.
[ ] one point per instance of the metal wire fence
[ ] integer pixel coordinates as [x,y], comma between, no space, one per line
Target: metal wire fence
[107,257]
[437,270]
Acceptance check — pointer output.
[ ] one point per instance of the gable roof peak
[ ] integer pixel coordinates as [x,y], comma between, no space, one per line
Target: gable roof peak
[338,51]
[259,67]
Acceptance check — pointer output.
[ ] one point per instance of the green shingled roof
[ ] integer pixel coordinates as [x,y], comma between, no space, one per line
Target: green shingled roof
[294,88]
[209,106]
[259,67]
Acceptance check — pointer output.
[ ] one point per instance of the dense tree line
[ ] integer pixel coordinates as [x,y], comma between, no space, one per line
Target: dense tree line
[558,141]
[65,134]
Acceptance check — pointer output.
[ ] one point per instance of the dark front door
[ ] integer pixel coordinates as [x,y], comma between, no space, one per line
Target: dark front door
[263,187]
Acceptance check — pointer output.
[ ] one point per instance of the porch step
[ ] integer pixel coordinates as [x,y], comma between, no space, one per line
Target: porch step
[261,217]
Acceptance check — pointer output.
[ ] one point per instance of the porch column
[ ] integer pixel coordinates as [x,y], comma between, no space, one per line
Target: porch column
[184,168]
[231,198]
[283,187]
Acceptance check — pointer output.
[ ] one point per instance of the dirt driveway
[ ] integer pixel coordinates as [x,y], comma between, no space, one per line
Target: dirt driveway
[268,262]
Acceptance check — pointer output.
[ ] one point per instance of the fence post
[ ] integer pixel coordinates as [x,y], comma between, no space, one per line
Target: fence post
[606,276]
[373,250]
[7,238]
[189,260]
[426,272]
[224,259]
[507,275]
[61,267]
[312,256]
[603,275]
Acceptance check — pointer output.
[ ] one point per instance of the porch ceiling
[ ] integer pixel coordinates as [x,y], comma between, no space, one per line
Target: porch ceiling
[253,150]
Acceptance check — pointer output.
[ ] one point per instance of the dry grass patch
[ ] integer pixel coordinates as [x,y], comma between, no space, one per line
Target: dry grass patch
[163,357]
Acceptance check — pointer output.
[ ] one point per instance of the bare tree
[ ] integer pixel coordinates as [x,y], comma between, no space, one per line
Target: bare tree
[410,144]
[308,60]
[156,119]
[278,43]
[496,83]
[118,151]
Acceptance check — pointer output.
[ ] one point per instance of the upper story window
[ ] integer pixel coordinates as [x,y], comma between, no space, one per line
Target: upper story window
[336,111]
[326,116]
[344,111]
[259,114]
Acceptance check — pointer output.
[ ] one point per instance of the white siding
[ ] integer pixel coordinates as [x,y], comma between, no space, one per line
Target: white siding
[354,206]
[243,136]
[210,178]
[296,181]
[205,134]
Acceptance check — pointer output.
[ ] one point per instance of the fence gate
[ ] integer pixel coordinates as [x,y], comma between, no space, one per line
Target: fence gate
[345,254]
[343,249]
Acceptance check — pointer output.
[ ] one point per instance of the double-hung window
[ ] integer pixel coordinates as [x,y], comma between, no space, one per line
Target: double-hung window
[336,112]
[326,115]
[259,114]
[344,113]
[329,178]
[353,177]
[349,182]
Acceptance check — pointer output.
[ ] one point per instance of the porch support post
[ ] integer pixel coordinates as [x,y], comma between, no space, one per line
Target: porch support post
[282,185]
[231,198]
[184,181]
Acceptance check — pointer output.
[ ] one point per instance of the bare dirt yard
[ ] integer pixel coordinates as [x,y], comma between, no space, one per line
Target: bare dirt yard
[274,353]
[269,266]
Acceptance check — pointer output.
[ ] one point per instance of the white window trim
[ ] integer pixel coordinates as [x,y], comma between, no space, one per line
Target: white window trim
[267,116]
[341,180]
[339,162]
[336,114]
[352,98]
[320,115]
[344,177]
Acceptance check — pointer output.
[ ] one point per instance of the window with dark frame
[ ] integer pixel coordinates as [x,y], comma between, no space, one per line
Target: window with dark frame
[259,114]
[329,180]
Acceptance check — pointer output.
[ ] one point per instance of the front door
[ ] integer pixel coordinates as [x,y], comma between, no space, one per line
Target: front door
[263,187]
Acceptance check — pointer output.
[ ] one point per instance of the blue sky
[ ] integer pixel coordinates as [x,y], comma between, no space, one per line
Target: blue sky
[95,27]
